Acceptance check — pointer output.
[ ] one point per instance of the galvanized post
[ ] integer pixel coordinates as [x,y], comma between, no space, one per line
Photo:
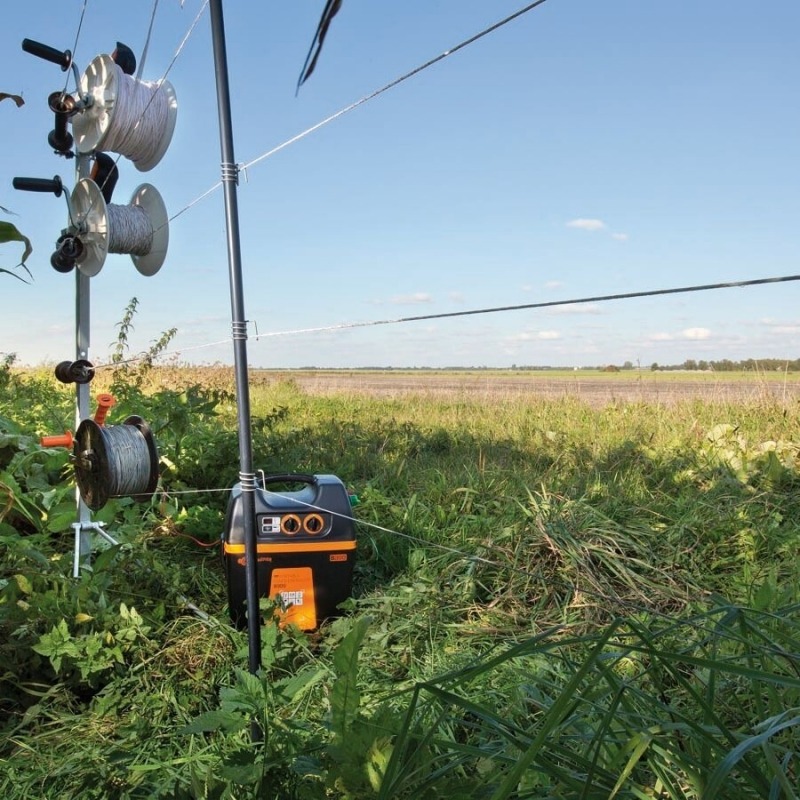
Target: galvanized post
[83,544]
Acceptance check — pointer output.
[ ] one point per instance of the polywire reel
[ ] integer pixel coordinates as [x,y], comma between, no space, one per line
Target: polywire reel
[126,116]
[115,461]
[140,230]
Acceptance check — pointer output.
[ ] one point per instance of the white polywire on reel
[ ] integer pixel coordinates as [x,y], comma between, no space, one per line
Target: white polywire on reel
[126,116]
[140,230]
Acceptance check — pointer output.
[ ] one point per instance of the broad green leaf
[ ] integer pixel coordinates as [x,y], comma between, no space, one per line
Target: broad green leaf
[9,233]
[345,697]
[290,688]
[242,767]
[216,720]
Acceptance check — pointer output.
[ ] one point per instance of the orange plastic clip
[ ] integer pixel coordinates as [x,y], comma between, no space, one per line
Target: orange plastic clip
[58,440]
[104,402]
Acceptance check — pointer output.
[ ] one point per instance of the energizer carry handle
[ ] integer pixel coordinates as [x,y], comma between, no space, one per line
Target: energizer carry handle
[61,57]
[290,477]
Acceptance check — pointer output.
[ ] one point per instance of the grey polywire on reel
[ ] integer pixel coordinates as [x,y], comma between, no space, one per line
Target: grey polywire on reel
[140,229]
[115,461]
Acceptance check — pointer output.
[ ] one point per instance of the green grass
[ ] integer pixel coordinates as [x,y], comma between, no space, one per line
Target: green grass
[550,600]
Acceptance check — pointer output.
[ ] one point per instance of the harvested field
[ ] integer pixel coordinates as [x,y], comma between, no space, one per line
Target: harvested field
[596,389]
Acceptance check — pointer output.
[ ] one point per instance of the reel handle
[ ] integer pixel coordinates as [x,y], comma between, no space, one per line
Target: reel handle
[57,440]
[62,58]
[39,185]
[104,403]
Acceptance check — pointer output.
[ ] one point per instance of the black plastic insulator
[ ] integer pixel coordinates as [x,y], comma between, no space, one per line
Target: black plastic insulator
[63,106]
[39,185]
[61,57]
[124,58]
[80,371]
[68,250]
[105,175]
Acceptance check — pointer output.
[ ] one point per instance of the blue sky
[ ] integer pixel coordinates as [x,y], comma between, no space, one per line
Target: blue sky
[590,147]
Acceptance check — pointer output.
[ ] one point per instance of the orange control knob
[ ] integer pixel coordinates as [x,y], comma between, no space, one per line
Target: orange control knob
[104,402]
[59,440]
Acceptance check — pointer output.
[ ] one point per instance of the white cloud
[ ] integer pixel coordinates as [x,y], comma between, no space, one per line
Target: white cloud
[620,237]
[553,285]
[411,299]
[456,296]
[781,328]
[533,336]
[660,337]
[696,333]
[576,308]
[587,224]
[59,330]
[526,288]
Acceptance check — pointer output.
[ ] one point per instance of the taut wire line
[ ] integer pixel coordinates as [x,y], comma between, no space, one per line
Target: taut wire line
[475,311]
[147,41]
[558,583]
[75,45]
[367,98]
[185,39]
[398,81]
[470,557]
[546,304]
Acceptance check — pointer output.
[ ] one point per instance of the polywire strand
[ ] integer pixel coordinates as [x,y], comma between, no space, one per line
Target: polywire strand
[472,312]
[367,98]
[146,47]
[130,230]
[401,79]
[573,588]
[510,568]
[545,304]
[75,44]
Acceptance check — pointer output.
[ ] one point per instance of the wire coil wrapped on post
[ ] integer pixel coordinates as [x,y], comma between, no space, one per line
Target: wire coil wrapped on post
[115,461]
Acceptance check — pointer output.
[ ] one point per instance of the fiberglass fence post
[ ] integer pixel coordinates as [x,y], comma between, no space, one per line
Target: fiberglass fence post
[239,328]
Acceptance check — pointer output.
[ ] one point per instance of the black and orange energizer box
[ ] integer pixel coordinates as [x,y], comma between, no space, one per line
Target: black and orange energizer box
[305,543]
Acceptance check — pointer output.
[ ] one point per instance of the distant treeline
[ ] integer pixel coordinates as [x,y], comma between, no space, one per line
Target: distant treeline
[725,365]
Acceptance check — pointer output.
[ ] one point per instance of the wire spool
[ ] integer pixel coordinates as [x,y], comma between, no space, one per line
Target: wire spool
[115,461]
[140,230]
[126,116]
